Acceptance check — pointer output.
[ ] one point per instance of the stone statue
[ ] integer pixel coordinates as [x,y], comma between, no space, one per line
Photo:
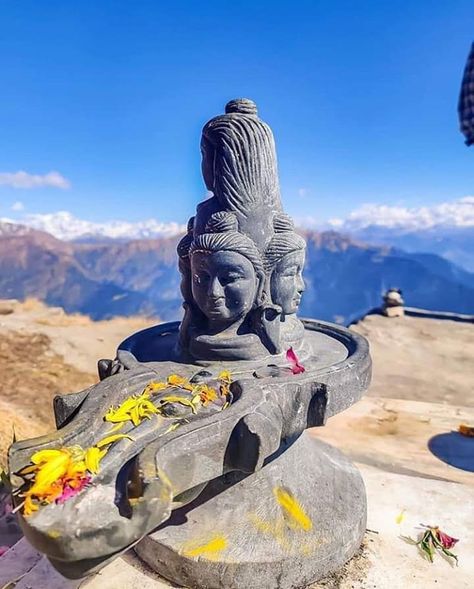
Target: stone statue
[241,230]
[192,448]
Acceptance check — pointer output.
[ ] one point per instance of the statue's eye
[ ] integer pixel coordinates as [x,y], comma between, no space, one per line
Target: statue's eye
[292,271]
[201,279]
[229,278]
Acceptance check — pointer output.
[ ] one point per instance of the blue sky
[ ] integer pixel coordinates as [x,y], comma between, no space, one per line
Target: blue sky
[112,95]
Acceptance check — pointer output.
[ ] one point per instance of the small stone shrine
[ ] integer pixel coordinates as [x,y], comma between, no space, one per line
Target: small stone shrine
[192,448]
[393,303]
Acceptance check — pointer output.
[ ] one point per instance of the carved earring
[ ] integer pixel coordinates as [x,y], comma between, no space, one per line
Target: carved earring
[261,294]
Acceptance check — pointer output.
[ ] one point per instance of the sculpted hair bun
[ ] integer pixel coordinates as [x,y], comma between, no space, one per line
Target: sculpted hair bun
[283,222]
[222,222]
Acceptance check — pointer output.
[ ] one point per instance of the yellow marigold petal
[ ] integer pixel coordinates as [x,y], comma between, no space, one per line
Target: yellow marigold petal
[147,409]
[175,379]
[224,389]
[49,474]
[93,458]
[28,469]
[172,427]
[111,439]
[196,400]
[45,455]
[180,400]
[77,453]
[117,427]
[400,517]
[208,394]
[226,376]
[134,415]
[29,506]
[77,468]
[154,387]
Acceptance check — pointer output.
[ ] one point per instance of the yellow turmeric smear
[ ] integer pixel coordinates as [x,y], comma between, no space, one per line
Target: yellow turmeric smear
[292,509]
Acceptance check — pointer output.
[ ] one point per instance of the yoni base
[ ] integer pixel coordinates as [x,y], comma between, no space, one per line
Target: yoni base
[299,518]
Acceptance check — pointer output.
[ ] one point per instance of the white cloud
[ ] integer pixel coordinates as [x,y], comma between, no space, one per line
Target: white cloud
[17,206]
[22,179]
[457,213]
[64,225]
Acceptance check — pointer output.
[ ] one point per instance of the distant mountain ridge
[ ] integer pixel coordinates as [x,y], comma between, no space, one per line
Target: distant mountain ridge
[446,229]
[345,277]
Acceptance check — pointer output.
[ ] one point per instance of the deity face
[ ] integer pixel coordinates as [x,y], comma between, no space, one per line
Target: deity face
[286,282]
[224,286]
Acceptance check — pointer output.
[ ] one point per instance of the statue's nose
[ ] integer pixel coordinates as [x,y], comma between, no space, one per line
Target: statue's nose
[215,290]
[300,284]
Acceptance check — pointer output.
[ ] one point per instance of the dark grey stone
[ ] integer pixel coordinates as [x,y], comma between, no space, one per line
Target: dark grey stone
[290,509]
[238,535]
[266,415]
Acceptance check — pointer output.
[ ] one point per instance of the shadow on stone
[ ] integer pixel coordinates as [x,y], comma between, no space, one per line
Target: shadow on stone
[454,449]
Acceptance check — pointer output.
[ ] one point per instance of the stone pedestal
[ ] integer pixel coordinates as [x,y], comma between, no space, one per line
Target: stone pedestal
[296,520]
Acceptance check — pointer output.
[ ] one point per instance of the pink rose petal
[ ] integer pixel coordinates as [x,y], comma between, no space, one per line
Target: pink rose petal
[296,367]
[446,541]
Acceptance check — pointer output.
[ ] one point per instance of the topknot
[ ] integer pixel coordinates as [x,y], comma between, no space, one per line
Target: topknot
[242,106]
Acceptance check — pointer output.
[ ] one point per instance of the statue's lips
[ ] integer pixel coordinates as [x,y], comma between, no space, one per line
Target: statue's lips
[216,307]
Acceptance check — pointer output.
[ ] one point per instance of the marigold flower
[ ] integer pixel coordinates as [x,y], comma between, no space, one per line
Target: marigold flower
[175,380]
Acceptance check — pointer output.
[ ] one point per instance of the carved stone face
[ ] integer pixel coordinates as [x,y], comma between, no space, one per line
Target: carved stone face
[286,283]
[224,286]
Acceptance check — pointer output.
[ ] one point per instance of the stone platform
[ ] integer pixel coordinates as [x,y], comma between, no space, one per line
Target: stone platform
[298,518]
[386,562]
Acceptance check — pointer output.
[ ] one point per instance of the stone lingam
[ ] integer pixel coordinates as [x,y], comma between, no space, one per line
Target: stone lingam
[192,448]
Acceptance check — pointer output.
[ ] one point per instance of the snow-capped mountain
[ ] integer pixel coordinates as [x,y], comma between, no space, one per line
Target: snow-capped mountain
[458,213]
[63,225]
[446,229]
[8,228]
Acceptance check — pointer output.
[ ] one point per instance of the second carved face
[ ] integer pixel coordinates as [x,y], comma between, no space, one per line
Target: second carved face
[286,282]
